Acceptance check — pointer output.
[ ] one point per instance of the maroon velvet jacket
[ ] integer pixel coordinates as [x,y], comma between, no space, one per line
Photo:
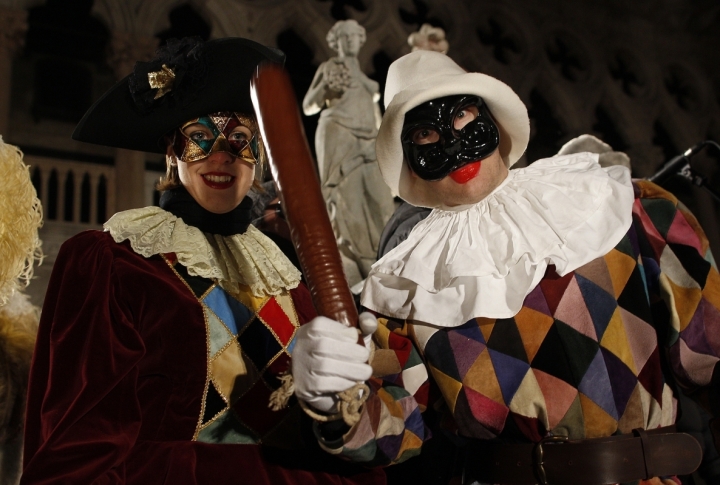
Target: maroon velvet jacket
[117,383]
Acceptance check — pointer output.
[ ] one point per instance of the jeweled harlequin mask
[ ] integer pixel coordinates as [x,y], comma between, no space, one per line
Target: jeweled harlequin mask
[453,148]
[219,133]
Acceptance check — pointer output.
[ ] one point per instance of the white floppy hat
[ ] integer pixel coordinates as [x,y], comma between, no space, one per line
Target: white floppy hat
[424,75]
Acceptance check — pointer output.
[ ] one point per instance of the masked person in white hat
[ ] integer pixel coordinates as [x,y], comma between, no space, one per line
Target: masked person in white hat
[547,303]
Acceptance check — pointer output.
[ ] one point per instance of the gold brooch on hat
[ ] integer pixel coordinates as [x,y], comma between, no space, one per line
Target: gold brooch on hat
[162,81]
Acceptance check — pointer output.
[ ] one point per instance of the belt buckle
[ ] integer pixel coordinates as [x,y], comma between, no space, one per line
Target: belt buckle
[539,456]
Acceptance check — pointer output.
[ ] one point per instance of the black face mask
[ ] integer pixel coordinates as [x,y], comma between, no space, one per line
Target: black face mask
[453,148]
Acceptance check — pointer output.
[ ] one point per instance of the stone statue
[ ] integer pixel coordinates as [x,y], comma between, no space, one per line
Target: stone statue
[429,38]
[358,200]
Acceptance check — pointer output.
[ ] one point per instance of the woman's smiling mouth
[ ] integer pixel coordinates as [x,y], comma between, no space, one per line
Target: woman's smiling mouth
[218,180]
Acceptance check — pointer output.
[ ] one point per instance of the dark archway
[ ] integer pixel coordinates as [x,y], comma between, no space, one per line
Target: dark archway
[52,201]
[69,206]
[607,130]
[37,181]
[85,192]
[185,22]
[547,132]
[67,47]
[101,200]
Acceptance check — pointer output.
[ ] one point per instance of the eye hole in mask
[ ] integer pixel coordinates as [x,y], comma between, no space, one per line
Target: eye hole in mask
[445,134]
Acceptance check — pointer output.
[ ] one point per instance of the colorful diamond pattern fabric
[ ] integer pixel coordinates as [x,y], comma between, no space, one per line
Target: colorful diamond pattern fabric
[257,337]
[597,347]
[249,345]
[582,358]
[391,428]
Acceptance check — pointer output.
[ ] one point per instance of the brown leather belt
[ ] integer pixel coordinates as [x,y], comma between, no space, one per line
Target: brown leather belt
[558,460]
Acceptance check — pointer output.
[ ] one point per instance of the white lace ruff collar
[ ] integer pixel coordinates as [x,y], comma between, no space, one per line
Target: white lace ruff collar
[250,258]
[483,260]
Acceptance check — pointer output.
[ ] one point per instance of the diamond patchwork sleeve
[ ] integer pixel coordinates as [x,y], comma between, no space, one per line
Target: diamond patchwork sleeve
[683,275]
[391,428]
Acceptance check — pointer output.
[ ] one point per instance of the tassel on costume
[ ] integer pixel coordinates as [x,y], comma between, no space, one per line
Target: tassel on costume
[280,397]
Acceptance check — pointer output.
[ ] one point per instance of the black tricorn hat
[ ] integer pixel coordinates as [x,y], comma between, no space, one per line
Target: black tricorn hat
[187,78]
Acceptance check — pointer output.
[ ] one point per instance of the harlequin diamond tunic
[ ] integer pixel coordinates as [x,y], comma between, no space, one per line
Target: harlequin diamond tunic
[146,372]
[583,357]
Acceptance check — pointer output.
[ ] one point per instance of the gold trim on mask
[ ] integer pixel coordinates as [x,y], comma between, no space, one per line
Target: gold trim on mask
[193,152]
[185,125]
[246,154]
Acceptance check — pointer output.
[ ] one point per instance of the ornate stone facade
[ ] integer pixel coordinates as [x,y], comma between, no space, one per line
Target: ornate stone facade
[640,75]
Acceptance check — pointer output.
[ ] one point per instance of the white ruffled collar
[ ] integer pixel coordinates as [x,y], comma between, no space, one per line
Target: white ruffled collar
[250,258]
[483,260]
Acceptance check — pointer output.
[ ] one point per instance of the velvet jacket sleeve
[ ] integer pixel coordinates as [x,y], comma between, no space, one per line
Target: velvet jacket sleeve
[684,286]
[391,427]
[84,365]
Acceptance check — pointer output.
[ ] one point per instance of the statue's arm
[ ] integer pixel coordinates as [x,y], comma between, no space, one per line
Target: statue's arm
[372,86]
[315,97]
[376,109]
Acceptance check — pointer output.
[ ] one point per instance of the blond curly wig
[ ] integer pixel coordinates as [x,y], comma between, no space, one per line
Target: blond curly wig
[18,326]
[20,219]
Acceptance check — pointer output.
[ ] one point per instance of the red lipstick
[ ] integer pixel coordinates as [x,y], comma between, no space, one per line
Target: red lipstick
[465,174]
[218,184]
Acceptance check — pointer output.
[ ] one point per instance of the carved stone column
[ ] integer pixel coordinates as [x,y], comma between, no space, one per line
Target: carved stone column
[125,50]
[13,25]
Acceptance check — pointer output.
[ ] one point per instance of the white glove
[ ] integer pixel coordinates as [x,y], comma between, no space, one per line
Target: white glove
[327,359]
[368,324]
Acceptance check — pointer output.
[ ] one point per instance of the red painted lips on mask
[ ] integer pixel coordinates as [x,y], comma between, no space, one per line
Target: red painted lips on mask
[466,173]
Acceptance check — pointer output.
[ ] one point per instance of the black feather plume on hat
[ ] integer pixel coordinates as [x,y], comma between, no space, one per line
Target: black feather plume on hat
[192,78]
[182,56]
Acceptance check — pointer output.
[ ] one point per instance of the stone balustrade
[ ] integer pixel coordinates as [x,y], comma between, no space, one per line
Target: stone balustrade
[73,192]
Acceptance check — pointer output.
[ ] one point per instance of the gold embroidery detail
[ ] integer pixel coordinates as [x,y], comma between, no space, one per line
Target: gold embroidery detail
[244,295]
[285,301]
[247,325]
[227,327]
[274,334]
[199,425]
[246,155]
[207,292]
[231,375]
[230,371]
[162,81]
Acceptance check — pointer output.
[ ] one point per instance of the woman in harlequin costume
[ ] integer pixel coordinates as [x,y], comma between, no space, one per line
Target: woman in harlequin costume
[162,336]
[558,308]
